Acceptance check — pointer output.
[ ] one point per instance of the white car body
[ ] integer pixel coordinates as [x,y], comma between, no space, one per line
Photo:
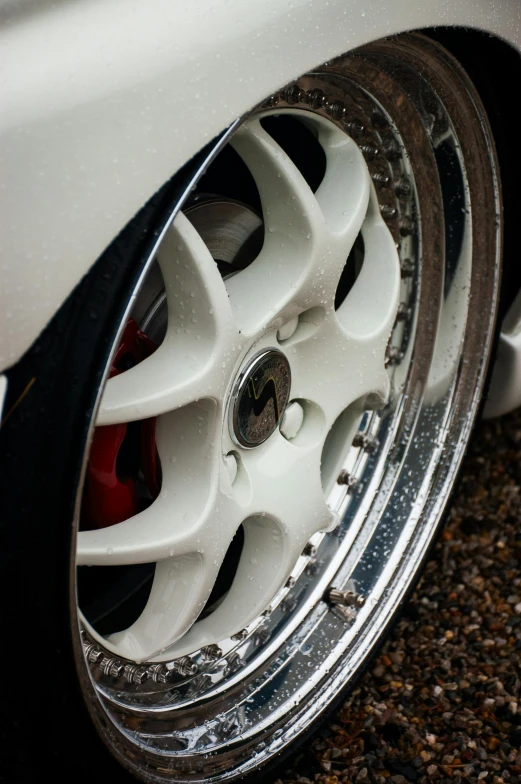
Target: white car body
[102,101]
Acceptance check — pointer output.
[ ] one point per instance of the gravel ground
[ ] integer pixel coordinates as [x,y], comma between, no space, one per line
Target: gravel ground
[443,701]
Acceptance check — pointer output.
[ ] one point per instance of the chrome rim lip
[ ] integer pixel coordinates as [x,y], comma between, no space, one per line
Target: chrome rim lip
[457,413]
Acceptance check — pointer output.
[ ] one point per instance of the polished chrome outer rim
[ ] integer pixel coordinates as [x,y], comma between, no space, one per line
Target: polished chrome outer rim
[259,691]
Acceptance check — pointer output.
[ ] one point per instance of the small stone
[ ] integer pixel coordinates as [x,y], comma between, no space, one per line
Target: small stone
[431,770]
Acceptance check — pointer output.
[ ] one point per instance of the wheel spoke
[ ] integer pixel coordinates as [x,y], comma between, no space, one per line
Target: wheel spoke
[334,370]
[190,507]
[180,589]
[344,360]
[287,489]
[307,236]
[201,335]
[369,310]
[286,508]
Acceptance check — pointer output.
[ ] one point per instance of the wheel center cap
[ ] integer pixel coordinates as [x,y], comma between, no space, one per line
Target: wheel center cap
[259,398]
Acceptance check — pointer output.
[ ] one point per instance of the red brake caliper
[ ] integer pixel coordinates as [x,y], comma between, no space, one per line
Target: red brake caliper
[111,497]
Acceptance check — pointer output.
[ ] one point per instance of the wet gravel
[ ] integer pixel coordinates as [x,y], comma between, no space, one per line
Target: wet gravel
[442,702]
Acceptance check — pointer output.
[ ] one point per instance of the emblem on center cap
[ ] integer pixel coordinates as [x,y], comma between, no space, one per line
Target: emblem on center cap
[260,398]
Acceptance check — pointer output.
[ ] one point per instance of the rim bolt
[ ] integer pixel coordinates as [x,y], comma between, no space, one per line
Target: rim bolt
[370,151]
[241,635]
[272,101]
[185,666]
[355,127]
[393,355]
[407,268]
[288,329]
[211,652]
[391,149]
[288,604]
[316,99]
[234,662]
[406,226]
[290,582]
[387,211]
[402,187]
[383,179]
[294,94]
[404,312]
[345,478]
[262,637]
[292,420]
[309,550]
[366,442]
[159,673]
[344,598]
[111,667]
[135,674]
[336,109]
[231,465]
[92,654]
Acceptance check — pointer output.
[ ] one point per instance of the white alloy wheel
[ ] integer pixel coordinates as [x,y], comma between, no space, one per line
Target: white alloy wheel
[306,351]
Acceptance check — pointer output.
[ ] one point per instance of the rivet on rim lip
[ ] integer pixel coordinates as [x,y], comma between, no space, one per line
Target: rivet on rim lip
[345,478]
[387,211]
[355,127]
[290,582]
[211,652]
[241,635]
[407,268]
[262,636]
[365,441]
[309,550]
[294,94]
[159,673]
[391,149]
[315,98]
[234,662]
[402,187]
[393,355]
[112,667]
[272,101]
[404,312]
[92,653]
[185,666]
[406,226]
[288,604]
[135,674]
[380,177]
[369,150]
[336,109]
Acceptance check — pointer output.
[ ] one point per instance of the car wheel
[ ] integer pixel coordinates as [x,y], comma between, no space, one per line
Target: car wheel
[226,458]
